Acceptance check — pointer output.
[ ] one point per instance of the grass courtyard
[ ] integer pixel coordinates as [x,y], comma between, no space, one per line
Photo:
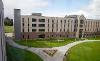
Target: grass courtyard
[15,54]
[89,51]
[8,29]
[94,38]
[45,42]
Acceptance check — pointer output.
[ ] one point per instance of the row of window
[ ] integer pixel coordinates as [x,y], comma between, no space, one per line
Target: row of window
[40,25]
[43,20]
[40,20]
[43,36]
[43,30]
[34,25]
[40,30]
[34,30]
[34,20]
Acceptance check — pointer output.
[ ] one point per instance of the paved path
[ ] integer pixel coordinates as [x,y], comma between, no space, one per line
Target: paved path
[58,56]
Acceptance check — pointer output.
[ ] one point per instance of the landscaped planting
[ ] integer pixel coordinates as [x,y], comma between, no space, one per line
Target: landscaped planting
[46,42]
[89,51]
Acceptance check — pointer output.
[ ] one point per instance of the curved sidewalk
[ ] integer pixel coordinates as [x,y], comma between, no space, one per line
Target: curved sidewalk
[59,54]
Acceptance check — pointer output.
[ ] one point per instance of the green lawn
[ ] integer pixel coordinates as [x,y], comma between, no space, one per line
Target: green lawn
[89,51]
[45,43]
[15,54]
[94,38]
[8,29]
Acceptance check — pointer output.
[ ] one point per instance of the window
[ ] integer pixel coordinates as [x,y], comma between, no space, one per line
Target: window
[52,25]
[28,30]
[28,36]
[76,21]
[81,25]
[33,20]
[41,25]
[48,20]
[23,20]
[28,19]
[64,30]
[41,30]
[52,30]
[23,24]
[48,25]
[23,36]
[33,30]
[33,25]
[41,20]
[28,24]
[48,30]
[81,21]
[65,21]
[23,30]
[61,21]
[52,21]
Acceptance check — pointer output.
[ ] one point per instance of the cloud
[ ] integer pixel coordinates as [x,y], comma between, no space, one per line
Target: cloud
[26,5]
[91,11]
[94,9]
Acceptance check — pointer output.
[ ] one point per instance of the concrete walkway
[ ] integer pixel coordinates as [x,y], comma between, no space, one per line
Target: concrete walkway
[58,56]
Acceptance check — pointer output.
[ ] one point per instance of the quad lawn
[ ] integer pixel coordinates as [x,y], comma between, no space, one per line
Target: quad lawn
[94,38]
[8,29]
[89,51]
[45,42]
[15,54]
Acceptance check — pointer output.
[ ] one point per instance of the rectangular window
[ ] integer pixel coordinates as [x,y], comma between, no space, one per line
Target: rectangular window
[48,25]
[33,30]
[65,21]
[23,36]
[41,20]
[23,24]
[28,30]
[28,19]
[41,30]
[28,24]
[33,25]
[48,20]
[23,30]
[23,20]
[33,20]
[48,30]
[64,30]
[81,21]
[52,21]
[52,30]
[52,25]
[28,36]
[41,25]
[81,25]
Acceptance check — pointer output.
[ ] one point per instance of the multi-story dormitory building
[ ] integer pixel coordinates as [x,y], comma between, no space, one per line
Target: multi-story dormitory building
[2,38]
[92,28]
[38,26]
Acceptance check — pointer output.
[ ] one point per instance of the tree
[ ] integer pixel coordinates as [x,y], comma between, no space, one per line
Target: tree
[8,22]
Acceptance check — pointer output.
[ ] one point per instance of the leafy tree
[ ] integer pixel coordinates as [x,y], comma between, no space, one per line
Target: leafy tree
[8,21]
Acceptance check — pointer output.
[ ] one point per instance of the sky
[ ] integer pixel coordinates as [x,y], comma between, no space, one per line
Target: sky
[57,8]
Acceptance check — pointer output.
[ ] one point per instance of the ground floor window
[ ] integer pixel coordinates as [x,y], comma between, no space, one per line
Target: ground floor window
[41,36]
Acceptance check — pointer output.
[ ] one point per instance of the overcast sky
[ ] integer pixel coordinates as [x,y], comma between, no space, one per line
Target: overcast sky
[90,8]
